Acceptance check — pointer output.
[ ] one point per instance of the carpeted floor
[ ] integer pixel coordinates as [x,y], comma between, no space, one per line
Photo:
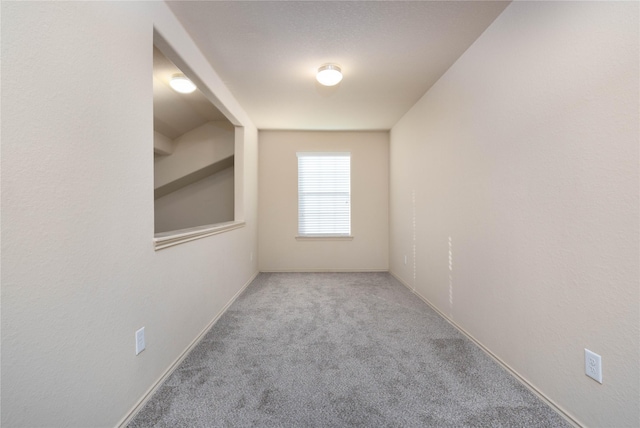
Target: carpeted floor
[339,350]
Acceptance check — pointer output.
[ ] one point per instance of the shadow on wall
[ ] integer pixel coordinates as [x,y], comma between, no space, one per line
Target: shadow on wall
[194,185]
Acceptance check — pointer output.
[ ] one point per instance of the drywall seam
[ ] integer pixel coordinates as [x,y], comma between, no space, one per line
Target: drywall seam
[570,419]
[147,395]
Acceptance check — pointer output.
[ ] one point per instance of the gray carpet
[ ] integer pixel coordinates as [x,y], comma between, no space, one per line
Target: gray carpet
[339,350]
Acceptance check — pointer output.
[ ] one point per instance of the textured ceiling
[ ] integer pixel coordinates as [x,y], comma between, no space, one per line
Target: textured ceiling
[391,53]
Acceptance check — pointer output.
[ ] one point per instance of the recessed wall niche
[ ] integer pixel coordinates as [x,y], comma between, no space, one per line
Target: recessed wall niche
[193,156]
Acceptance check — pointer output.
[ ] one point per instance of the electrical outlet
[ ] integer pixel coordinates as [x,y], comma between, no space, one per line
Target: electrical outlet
[405,259]
[140,341]
[593,365]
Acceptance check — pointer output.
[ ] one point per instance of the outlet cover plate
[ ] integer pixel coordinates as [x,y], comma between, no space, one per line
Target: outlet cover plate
[593,365]
[140,345]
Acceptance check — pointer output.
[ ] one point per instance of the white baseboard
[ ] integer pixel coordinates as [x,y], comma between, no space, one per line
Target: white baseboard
[563,413]
[145,398]
[147,395]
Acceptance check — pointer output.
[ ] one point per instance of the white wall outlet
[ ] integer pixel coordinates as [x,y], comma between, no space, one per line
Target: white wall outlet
[140,341]
[405,259]
[593,365]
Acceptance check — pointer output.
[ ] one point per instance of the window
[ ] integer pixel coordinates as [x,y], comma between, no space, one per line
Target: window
[324,194]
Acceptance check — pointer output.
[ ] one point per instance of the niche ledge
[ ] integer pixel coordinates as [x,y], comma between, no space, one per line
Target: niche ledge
[176,237]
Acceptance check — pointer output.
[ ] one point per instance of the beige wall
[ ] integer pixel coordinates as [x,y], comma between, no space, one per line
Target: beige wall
[197,186]
[207,201]
[162,145]
[278,206]
[197,149]
[79,270]
[521,164]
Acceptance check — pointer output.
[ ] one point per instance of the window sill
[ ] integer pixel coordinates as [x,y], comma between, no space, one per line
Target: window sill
[176,237]
[324,238]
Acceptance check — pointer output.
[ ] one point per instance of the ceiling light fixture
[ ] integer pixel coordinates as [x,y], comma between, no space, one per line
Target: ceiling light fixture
[329,75]
[181,84]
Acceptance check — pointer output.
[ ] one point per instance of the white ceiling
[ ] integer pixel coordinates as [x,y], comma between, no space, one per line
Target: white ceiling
[174,113]
[391,53]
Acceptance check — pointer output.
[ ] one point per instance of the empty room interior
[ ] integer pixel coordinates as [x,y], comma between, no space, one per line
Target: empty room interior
[490,156]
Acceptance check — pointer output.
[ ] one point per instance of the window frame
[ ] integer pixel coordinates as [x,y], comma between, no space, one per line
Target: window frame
[332,234]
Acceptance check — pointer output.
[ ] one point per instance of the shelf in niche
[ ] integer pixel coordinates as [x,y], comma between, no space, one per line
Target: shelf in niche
[193,177]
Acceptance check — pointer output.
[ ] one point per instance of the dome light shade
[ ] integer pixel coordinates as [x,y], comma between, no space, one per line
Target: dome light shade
[329,75]
[181,84]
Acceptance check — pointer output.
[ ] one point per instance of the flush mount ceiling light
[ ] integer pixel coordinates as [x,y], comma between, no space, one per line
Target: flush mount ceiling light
[181,84]
[329,75]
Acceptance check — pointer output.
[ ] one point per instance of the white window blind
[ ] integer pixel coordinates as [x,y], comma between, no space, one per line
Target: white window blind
[324,194]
